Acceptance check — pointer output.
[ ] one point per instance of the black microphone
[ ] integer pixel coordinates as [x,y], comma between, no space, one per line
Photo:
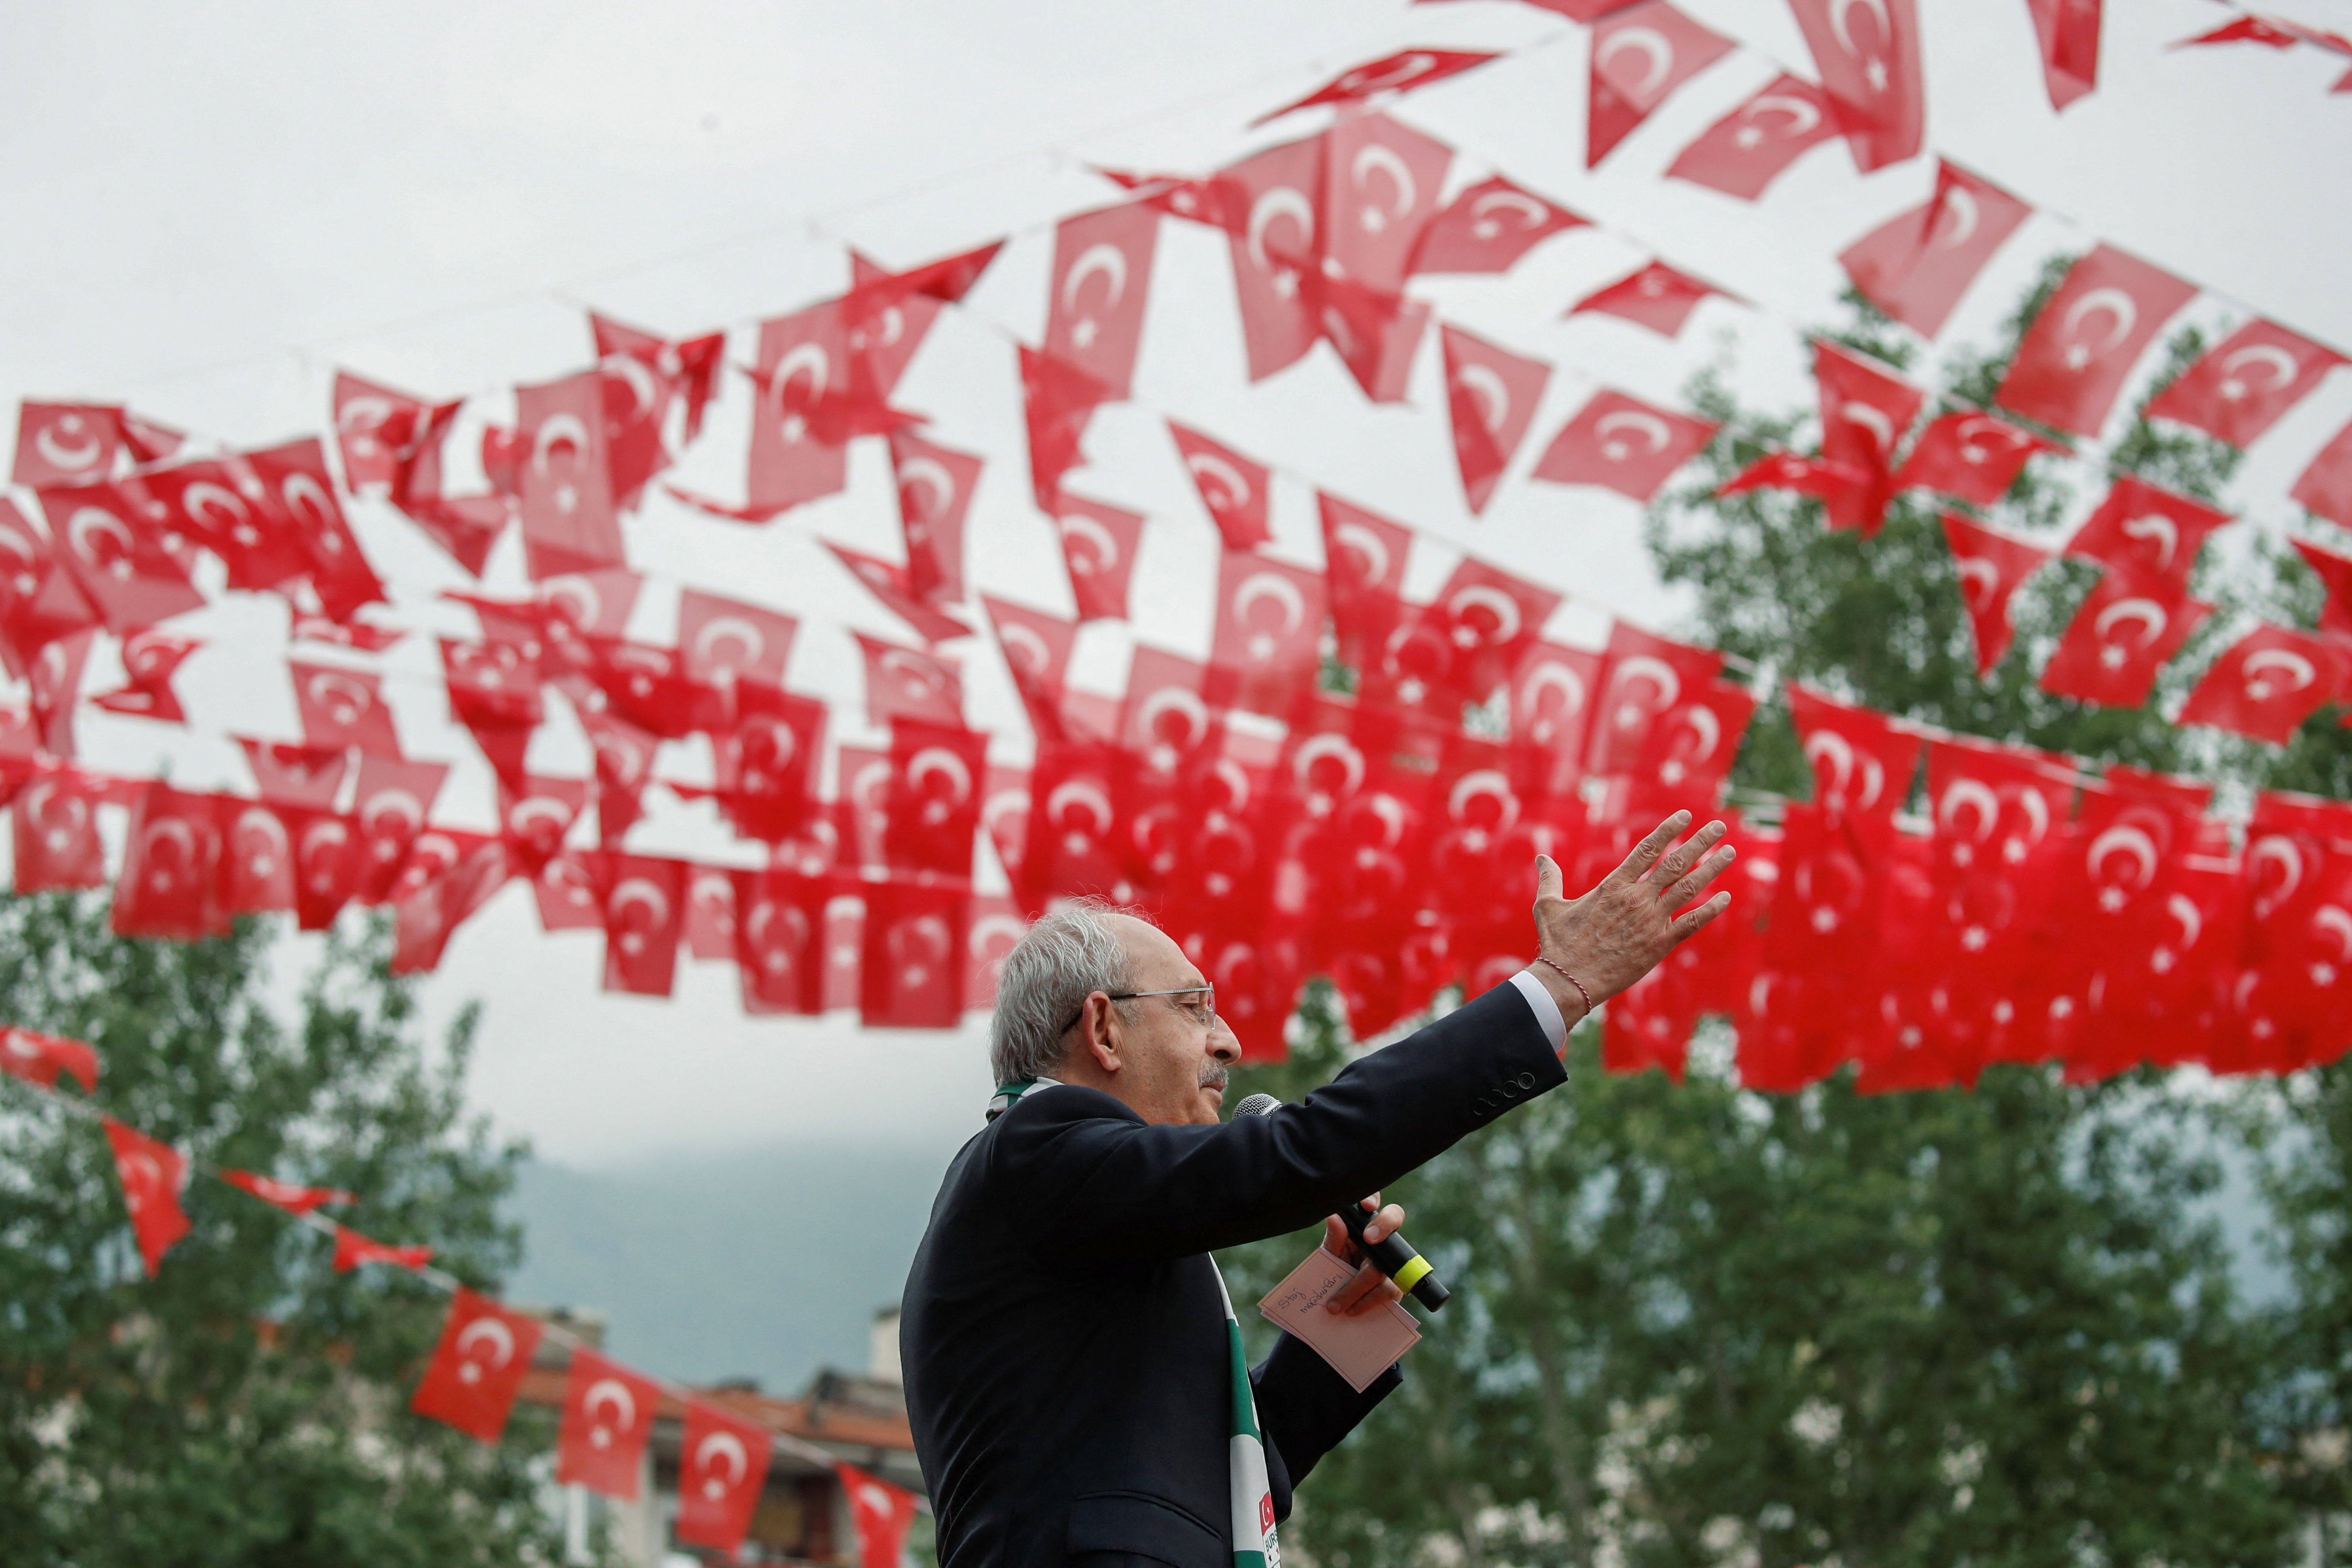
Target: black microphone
[1391,1255]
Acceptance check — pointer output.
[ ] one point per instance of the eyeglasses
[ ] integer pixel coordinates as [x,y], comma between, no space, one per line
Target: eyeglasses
[1204,1012]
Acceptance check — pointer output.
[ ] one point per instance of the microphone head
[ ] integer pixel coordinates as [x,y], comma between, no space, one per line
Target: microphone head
[1257,1105]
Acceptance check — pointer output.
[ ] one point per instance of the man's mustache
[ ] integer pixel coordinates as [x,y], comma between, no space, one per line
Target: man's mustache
[1215,1077]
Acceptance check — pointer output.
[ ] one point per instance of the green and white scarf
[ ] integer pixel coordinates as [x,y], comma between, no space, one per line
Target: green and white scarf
[1248,1494]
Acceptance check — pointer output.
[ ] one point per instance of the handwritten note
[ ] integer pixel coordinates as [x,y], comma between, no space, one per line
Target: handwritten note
[1360,1348]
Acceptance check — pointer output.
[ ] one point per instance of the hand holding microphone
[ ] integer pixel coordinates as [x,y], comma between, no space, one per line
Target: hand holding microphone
[1393,1255]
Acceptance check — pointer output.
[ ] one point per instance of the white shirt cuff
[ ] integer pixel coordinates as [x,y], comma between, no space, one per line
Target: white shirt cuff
[1547,1011]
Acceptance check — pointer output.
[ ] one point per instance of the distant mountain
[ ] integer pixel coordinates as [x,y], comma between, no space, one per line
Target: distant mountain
[765,1263]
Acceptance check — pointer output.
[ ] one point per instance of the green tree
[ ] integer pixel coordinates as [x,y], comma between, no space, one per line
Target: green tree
[249,1406]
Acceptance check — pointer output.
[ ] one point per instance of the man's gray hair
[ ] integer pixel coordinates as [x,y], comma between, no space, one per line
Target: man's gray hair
[1065,957]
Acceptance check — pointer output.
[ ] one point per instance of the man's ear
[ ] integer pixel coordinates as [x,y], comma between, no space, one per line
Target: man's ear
[1099,1034]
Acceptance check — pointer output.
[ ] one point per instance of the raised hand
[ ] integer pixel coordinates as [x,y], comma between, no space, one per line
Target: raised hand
[1623,927]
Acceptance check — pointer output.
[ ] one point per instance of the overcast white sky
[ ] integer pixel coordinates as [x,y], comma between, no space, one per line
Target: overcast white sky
[216,207]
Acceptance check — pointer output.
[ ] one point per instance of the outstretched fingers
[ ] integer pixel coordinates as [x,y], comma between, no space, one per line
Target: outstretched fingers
[1691,886]
[1645,853]
[1677,863]
[1691,922]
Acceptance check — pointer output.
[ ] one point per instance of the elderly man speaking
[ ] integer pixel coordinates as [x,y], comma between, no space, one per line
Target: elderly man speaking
[1073,1364]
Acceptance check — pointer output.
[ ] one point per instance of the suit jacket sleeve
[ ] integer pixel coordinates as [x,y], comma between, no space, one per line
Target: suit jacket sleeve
[1087,1180]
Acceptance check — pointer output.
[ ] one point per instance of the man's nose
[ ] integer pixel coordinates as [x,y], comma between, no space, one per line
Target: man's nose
[1223,1044]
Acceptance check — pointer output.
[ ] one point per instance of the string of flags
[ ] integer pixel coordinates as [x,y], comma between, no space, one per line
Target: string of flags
[1281,828]
[475,1372]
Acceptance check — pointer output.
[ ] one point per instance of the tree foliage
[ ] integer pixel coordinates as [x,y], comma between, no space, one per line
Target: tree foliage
[248,1407]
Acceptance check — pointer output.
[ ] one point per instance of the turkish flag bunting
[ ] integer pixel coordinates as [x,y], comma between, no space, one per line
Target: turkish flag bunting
[887,325]
[565,891]
[1646,678]
[1690,746]
[149,658]
[1862,762]
[224,507]
[1641,54]
[644,909]
[153,1173]
[1404,72]
[389,806]
[67,443]
[881,1514]
[118,556]
[446,877]
[292,1196]
[40,599]
[934,488]
[1976,457]
[353,1250]
[1364,557]
[2147,531]
[1487,228]
[1748,148]
[1468,639]
[1990,566]
[43,1059]
[2267,683]
[478,1368]
[304,776]
[376,428]
[53,682]
[357,635]
[936,774]
[1178,196]
[2068,31]
[2326,485]
[464,526]
[493,686]
[563,486]
[55,824]
[534,819]
[1235,489]
[1165,723]
[1058,401]
[911,969]
[1552,692]
[296,479]
[1036,649]
[2241,386]
[766,764]
[722,1467]
[948,279]
[343,708]
[258,869]
[1917,265]
[1380,184]
[1865,410]
[2335,574]
[890,585]
[1276,252]
[2126,630]
[722,642]
[1656,296]
[1492,394]
[710,931]
[608,1415]
[779,941]
[901,683]
[1841,485]
[1102,279]
[2074,358]
[1375,331]
[170,885]
[687,367]
[329,863]
[1269,622]
[1870,73]
[1623,444]
[636,404]
[798,453]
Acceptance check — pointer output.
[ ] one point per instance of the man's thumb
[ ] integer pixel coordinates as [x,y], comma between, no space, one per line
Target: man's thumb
[1548,883]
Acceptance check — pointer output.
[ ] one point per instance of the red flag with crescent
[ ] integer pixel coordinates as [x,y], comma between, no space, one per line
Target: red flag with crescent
[2326,485]
[798,451]
[376,429]
[1862,762]
[881,1515]
[1036,649]
[55,824]
[780,940]
[1364,557]
[2149,532]
[1269,624]
[1235,489]
[2075,357]
[1991,565]
[2068,32]
[1276,251]
[1645,678]
[1553,692]
[353,1250]
[53,682]
[1865,410]
[67,443]
[258,868]
[1381,183]
[225,506]
[294,1197]
[148,659]
[889,584]
[936,773]
[709,933]
[687,367]
[478,1368]
[1868,55]
[765,765]
[608,1415]
[1404,72]
[2125,631]
[1748,148]
[42,1058]
[912,965]
[1641,54]
[296,481]
[118,556]
[1101,282]
[722,1467]
[1058,401]
[40,599]
[1976,457]
[1098,544]
[1487,228]
[152,1173]
[901,683]
[1492,394]
[564,482]
[1917,265]
[723,642]
[934,488]
[2245,384]
[2267,683]
[343,708]
[389,806]
[1623,443]
[170,885]
[645,913]
[1656,296]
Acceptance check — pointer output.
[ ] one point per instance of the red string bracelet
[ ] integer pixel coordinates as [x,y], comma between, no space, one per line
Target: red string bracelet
[1571,979]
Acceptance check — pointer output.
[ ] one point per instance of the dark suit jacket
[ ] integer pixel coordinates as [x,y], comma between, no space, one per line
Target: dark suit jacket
[1064,1348]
